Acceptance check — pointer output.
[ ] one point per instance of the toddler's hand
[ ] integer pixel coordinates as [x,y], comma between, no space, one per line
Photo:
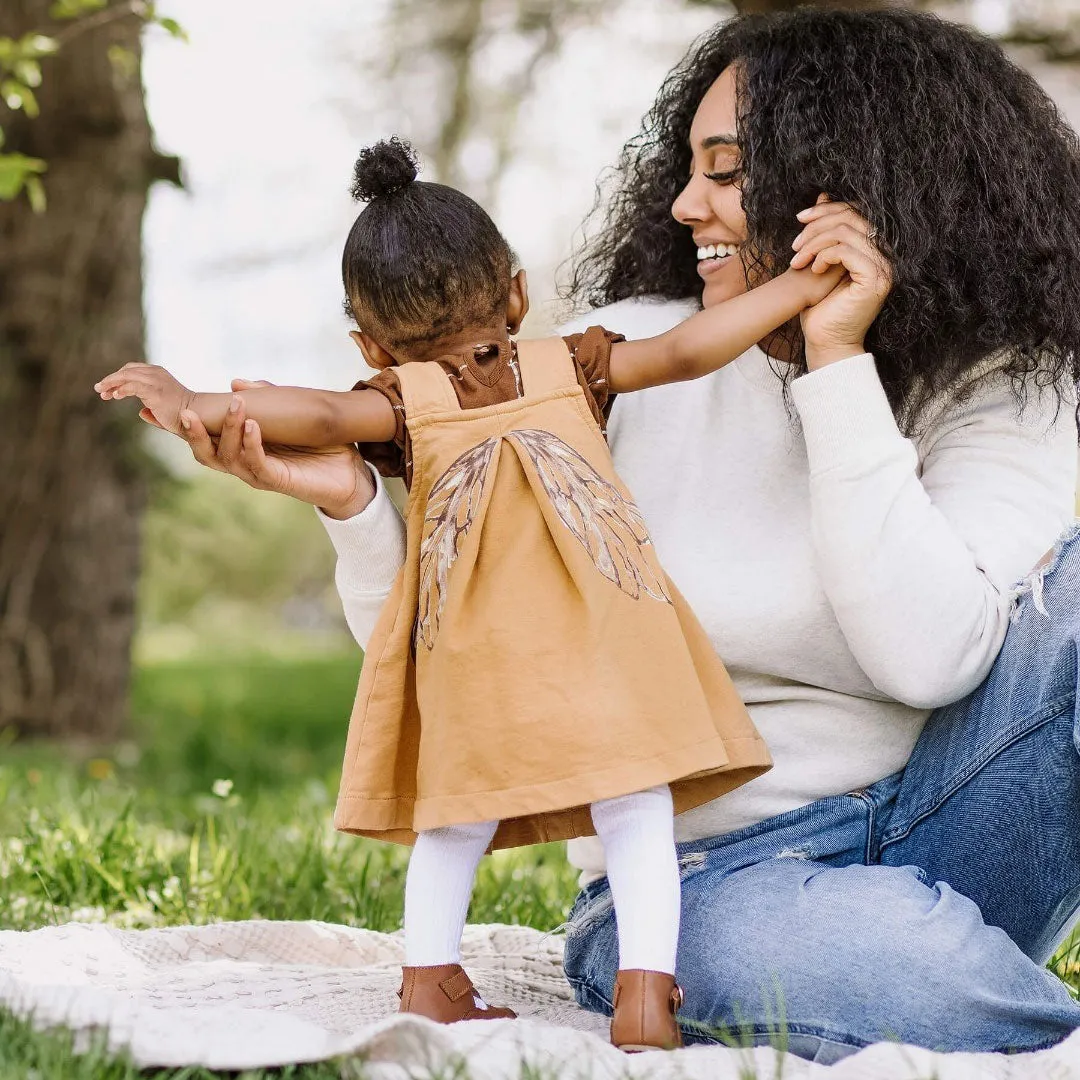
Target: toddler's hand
[160,393]
[817,284]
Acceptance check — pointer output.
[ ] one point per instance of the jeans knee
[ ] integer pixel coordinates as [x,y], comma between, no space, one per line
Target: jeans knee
[807,929]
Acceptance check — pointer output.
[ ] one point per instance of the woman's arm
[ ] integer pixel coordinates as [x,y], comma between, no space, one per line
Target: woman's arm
[919,560]
[714,337]
[287,415]
[919,549]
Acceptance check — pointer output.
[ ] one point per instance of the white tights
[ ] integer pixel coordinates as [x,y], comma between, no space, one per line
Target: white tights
[643,871]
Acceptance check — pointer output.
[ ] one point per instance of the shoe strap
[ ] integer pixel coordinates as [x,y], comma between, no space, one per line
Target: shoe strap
[456,986]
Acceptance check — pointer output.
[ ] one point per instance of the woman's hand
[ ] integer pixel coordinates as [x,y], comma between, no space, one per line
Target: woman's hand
[836,235]
[335,478]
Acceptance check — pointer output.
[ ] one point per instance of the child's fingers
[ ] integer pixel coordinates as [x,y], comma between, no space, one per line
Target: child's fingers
[126,389]
[849,247]
[147,416]
[126,384]
[833,255]
[122,373]
[863,269]
[248,384]
[116,393]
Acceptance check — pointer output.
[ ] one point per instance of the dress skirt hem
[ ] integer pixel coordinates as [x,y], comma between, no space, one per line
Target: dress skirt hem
[539,813]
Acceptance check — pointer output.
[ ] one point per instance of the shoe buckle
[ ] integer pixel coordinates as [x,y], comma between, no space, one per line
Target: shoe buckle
[677,998]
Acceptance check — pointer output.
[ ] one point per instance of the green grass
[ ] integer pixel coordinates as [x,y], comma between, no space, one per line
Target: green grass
[134,834]
[25,1054]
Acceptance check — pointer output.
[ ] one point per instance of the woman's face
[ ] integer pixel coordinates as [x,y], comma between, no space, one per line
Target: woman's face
[711,202]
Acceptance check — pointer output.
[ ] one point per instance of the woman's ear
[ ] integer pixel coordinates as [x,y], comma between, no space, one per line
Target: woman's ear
[517,307]
[375,355]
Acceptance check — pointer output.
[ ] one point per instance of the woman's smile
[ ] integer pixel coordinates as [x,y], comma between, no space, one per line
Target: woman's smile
[713,255]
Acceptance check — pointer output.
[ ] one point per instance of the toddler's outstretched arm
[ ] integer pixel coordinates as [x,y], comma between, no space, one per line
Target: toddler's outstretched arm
[716,336]
[287,415]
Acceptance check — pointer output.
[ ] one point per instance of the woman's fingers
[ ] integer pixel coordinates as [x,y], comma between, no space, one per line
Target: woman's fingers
[832,223]
[232,434]
[825,207]
[252,453]
[850,225]
[826,236]
[248,384]
[835,234]
[196,436]
[254,460]
[252,450]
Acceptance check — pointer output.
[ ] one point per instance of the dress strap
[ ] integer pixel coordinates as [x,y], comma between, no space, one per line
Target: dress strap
[425,388]
[546,365]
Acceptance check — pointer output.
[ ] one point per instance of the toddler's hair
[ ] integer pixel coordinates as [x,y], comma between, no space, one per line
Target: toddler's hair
[422,260]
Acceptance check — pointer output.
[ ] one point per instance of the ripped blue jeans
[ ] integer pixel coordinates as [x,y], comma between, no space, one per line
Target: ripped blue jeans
[922,909]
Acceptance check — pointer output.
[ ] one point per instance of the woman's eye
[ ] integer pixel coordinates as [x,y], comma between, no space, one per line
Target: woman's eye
[724,177]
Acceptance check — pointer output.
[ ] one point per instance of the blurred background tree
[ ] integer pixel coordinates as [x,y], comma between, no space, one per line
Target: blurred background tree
[70,489]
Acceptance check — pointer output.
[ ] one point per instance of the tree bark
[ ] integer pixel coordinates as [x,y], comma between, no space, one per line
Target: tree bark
[71,492]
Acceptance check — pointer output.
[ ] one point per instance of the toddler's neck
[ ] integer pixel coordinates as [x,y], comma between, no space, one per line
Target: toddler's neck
[460,342]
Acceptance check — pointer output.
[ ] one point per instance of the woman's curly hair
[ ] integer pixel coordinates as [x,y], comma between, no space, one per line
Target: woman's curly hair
[955,155]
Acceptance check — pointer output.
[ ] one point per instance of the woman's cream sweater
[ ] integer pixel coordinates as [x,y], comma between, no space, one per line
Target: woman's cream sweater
[850,578]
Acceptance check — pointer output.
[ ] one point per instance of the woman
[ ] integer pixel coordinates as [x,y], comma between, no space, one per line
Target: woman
[848,521]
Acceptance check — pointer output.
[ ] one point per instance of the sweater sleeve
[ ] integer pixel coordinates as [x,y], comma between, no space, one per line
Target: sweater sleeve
[919,558]
[370,551]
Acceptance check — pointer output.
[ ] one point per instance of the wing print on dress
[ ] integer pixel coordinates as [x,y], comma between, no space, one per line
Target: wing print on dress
[451,508]
[608,525]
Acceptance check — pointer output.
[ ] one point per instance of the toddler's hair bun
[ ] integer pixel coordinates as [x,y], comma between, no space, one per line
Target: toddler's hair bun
[384,168]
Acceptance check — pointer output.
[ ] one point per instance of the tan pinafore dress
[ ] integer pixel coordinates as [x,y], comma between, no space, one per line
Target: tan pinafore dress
[533,656]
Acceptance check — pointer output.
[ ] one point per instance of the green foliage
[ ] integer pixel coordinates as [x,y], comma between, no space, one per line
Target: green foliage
[230,568]
[25,1053]
[73,9]
[1066,964]
[21,75]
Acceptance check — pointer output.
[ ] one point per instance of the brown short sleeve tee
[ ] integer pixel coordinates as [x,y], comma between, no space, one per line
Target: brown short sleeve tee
[477,384]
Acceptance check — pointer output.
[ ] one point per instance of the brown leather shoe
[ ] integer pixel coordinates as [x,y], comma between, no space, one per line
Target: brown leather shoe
[444,993]
[645,1006]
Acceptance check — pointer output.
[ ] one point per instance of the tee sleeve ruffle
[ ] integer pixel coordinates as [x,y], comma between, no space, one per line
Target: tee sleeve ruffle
[592,354]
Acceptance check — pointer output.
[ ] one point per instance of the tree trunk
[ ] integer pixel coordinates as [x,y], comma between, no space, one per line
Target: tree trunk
[71,493]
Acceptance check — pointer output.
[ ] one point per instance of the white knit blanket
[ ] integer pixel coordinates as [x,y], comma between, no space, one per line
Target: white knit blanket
[248,994]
